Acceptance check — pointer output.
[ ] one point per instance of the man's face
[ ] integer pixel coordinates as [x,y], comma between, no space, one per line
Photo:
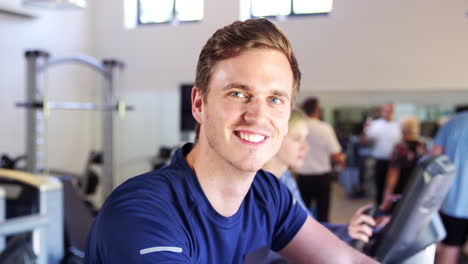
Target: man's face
[245,115]
[387,111]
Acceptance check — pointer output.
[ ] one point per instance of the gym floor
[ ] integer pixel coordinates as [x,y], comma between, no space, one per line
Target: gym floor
[342,208]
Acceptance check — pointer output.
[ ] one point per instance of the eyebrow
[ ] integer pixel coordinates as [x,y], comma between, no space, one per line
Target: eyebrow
[247,88]
[236,85]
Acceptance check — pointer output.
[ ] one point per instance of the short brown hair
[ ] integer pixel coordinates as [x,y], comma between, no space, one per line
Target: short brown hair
[240,36]
[310,105]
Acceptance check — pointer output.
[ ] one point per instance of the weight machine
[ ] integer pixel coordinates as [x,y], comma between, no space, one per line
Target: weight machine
[45,223]
[38,62]
[415,226]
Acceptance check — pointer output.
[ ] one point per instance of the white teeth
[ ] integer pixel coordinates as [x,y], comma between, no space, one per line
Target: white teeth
[251,137]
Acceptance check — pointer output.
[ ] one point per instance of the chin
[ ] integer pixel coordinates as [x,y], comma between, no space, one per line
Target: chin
[250,166]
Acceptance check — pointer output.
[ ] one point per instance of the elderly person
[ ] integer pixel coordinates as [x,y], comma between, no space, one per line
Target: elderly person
[403,160]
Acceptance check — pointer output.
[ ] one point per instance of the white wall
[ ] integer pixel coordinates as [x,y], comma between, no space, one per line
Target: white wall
[363,47]
[62,33]
[384,45]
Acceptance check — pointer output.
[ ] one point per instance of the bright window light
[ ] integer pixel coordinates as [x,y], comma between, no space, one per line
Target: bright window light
[267,8]
[164,11]
[262,8]
[189,10]
[156,11]
[312,7]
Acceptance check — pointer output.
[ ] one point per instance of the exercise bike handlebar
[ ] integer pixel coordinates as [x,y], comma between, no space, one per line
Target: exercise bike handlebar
[42,183]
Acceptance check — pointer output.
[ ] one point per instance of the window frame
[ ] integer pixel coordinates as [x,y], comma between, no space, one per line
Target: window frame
[173,19]
[290,15]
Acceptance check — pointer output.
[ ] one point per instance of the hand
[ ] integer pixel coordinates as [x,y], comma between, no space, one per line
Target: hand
[361,225]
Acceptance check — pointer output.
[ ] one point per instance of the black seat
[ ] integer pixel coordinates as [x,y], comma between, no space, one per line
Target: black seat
[78,217]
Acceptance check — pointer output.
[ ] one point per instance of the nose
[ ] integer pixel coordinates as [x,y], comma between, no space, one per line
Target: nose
[255,110]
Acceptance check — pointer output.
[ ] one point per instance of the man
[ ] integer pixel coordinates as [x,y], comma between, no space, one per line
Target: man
[314,177]
[384,133]
[452,140]
[211,204]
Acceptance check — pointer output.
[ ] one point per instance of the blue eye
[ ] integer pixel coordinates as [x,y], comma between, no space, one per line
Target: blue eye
[237,94]
[275,100]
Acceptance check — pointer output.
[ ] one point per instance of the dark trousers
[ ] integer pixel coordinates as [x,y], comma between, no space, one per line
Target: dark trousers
[380,176]
[317,188]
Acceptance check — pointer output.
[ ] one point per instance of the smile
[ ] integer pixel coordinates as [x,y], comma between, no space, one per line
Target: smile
[253,138]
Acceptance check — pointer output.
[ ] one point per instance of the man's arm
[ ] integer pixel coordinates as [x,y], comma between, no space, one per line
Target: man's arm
[334,148]
[393,175]
[339,158]
[315,244]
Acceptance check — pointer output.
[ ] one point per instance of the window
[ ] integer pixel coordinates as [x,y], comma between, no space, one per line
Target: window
[169,11]
[266,8]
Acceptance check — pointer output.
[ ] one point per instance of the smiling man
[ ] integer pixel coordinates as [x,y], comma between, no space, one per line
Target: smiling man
[213,203]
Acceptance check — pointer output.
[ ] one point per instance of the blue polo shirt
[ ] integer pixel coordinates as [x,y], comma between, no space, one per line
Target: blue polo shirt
[453,137]
[164,217]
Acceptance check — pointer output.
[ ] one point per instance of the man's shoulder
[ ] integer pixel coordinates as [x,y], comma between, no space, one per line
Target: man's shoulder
[269,191]
[266,184]
[383,126]
[153,191]
[145,211]
[169,175]
[460,119]
[265,180]
[319,127]
[453,127]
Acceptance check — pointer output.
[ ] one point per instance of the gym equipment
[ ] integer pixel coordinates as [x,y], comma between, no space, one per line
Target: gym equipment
[7,162]
[78,220]
[164,157]
[90,179]
[38,107]
[2,213]
[374,213]
[45,223]
[415,224]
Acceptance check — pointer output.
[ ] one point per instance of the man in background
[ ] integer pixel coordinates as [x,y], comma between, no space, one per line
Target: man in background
[314,177]
[384,134]
[452,140]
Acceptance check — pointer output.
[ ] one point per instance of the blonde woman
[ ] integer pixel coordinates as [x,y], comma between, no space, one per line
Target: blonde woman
[291,155]
[403,160]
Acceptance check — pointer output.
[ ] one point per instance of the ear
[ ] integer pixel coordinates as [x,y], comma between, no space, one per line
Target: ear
[197,103]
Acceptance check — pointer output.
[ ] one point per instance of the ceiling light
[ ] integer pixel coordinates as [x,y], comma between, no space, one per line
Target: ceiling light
[56,3]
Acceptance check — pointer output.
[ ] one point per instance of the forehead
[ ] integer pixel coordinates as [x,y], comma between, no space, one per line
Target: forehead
[257,69]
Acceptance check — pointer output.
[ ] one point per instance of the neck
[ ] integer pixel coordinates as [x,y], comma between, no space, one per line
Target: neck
[315,115]
[224,185]
[409,137]
[276,167]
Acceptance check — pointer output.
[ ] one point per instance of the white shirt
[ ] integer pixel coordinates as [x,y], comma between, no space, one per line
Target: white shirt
[385,135]
[322,144]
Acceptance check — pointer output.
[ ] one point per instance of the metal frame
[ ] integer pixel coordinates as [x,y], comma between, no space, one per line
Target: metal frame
[38,62]
[47,225]
[2,215]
